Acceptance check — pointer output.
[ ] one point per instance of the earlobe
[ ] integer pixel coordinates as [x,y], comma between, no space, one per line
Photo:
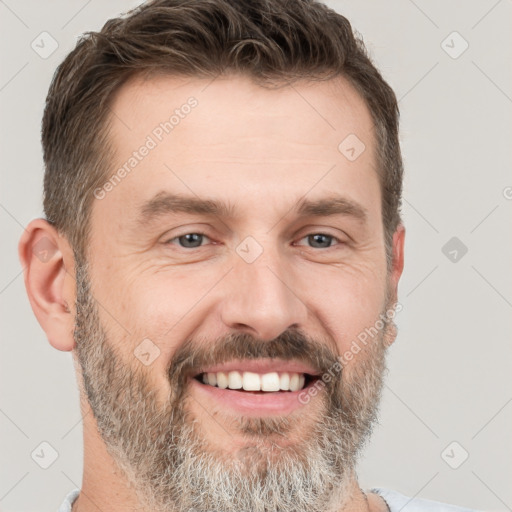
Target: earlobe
[48,267]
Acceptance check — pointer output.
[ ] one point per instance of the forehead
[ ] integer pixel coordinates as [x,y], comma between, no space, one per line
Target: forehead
[314,109]
[233,139]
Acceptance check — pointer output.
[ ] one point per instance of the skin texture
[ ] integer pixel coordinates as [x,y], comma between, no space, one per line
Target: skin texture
[261,151]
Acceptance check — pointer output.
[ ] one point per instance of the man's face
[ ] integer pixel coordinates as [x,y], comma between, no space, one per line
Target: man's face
[275,283]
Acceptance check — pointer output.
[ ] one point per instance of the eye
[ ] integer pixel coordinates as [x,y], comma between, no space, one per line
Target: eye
[189,240]
[194,240]
[321,240]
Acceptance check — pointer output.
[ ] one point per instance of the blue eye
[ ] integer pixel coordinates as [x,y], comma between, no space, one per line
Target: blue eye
[190,240]
[320,240]
[195,240]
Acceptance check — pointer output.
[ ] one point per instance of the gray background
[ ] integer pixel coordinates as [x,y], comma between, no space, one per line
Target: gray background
[450,369]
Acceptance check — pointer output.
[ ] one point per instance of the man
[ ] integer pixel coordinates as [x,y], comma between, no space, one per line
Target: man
[222,194]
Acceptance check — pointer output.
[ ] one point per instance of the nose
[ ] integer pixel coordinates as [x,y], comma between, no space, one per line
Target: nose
[262,299]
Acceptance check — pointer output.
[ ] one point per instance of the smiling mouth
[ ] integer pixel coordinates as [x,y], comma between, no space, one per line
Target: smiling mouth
[257,388]
[260,383]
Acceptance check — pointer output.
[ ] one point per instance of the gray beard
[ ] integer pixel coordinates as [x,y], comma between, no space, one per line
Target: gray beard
[160,449]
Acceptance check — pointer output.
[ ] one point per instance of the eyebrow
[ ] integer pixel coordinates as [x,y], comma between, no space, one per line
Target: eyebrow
[166,203]
[335,205]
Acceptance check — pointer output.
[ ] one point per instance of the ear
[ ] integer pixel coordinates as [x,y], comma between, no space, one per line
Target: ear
[48,268]
[397,264]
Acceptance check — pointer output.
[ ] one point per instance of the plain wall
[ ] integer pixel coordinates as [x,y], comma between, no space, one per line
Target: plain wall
[450,368]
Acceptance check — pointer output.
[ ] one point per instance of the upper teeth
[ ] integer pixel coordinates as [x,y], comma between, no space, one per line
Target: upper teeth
[250,381]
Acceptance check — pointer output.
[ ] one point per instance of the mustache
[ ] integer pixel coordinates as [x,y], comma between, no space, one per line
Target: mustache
[292,344]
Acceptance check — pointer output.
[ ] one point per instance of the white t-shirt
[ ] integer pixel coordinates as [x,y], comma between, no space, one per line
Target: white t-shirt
[396,502]
[399,503]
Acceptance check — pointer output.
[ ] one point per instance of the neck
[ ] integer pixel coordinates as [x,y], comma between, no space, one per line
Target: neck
[358,500]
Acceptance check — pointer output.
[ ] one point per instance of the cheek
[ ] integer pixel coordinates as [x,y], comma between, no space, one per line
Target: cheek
[151,301]
[349,309]
[156,310]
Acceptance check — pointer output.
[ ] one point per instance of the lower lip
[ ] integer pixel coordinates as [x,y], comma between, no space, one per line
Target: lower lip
[254,404]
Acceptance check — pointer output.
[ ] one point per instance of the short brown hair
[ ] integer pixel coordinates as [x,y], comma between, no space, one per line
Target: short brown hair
[268,40]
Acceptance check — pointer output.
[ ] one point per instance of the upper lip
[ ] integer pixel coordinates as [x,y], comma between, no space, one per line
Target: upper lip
[261,366]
